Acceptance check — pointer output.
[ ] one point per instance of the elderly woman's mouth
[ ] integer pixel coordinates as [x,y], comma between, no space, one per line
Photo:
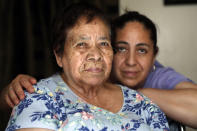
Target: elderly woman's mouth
[94,70]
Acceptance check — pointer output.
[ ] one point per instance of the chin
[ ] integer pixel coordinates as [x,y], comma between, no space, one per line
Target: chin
[131,84]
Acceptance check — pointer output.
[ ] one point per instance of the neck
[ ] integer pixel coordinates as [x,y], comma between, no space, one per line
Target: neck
[83,90]
[106,96]
[86,92]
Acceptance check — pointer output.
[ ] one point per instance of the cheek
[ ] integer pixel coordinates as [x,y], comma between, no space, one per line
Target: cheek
[116,65]
[147,64]
[110,57]
[75,61]
[118,61]
[107,55]
[109,64]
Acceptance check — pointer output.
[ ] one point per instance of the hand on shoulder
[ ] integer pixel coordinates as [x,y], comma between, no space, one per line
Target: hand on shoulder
[14,92]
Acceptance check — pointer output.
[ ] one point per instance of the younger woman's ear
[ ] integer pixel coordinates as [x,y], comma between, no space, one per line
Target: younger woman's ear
[58,59]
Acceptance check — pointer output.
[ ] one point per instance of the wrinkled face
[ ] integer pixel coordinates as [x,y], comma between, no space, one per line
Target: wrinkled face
[88,54]
[134,55]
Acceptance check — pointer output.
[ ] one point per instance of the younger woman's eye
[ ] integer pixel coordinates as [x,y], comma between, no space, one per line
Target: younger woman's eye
[142,51]
[120,49]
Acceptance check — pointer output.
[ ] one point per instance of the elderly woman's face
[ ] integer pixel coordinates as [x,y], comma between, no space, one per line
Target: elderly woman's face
[88,54]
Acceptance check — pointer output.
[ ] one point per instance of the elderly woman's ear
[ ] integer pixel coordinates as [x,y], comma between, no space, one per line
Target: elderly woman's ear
[58,59]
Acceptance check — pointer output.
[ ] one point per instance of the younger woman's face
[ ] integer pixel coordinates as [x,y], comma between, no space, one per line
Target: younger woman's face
[134,55]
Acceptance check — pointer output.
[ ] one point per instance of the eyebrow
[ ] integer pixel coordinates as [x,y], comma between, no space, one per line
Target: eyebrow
[142,44]
[88,38]
[82,37]
[126,43]
[104,38]
[121,42]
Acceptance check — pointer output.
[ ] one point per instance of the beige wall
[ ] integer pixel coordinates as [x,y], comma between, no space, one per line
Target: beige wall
[177,32]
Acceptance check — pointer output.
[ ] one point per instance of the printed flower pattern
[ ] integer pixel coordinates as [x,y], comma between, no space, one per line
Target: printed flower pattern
[55,106]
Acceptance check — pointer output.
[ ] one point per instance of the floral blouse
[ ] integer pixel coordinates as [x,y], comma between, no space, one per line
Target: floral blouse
[54,106]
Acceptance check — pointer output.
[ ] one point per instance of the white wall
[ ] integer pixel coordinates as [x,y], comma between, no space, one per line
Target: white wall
[177,32]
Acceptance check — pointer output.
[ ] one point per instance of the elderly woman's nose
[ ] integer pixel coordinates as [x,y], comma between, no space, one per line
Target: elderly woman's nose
[94,54]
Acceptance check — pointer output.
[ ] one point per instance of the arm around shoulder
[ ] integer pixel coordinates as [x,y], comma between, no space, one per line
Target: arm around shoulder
[14,92]
[179,103]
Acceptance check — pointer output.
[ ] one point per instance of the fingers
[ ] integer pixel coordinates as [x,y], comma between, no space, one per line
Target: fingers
[11,98]
[5,102]
[15,90]
[9,101]
[33,80]
[27,83]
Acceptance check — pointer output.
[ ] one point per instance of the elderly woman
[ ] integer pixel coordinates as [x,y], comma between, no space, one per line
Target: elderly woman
[80,97]
[135,66]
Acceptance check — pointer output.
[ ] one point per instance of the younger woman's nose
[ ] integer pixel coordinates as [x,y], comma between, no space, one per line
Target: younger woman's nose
[131,59]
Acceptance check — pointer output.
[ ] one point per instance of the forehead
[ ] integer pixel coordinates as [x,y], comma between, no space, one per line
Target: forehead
[95,27]
[133,32]
[96,22]
[134,27]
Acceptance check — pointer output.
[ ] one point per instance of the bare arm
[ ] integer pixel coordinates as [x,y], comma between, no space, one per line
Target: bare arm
[180,103]
[13,93]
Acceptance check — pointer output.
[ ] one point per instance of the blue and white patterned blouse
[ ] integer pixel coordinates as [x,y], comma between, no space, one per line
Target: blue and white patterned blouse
[54,106]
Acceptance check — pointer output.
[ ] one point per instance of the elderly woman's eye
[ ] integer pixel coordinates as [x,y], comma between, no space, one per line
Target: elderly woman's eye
[104,43]
[81,44]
